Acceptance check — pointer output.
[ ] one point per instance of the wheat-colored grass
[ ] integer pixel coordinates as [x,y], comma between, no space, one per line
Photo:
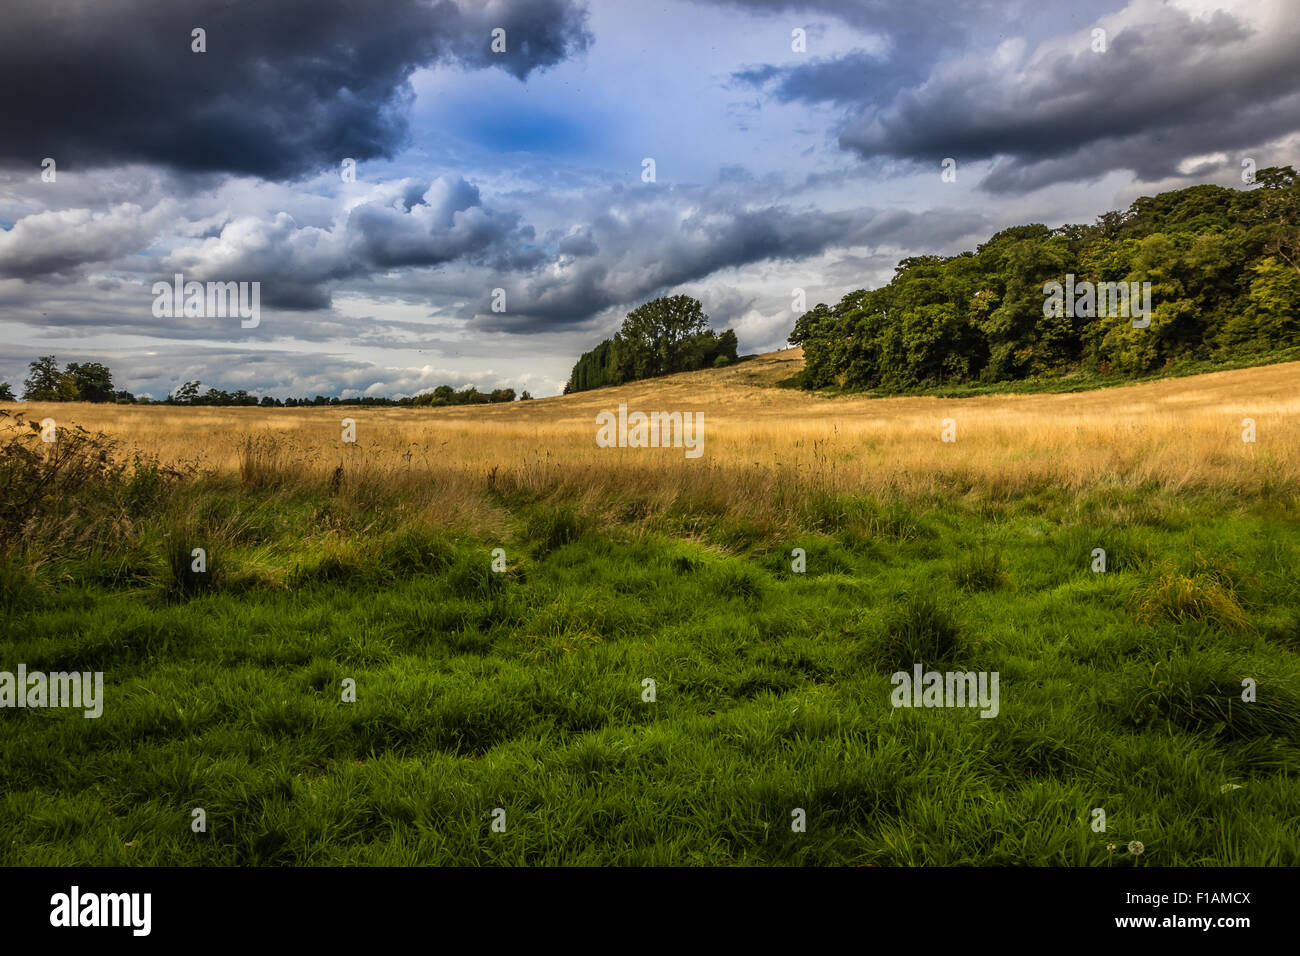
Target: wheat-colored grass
[766,449]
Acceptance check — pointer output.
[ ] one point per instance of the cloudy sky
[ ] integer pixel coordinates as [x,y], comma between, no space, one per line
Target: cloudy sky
[775,168]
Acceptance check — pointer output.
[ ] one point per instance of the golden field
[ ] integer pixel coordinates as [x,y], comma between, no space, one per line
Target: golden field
[765,448]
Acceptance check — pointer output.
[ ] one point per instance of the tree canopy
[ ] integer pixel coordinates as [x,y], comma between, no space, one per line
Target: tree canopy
[669,334]
[1222,264]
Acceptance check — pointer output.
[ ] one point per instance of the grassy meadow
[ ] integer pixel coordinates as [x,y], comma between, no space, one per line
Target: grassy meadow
[523,690]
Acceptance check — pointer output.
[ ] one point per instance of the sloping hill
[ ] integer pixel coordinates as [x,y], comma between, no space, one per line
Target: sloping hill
[758,436]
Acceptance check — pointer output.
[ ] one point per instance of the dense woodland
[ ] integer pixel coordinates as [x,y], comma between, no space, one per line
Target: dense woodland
[1224,274]
[671,334]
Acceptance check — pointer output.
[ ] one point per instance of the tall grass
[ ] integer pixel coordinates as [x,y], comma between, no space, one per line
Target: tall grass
[766,451]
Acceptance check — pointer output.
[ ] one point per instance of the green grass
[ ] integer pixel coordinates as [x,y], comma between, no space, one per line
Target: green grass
[523,690]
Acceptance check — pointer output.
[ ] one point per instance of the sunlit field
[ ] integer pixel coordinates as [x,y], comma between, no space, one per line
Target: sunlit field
[500,589]
[765,448]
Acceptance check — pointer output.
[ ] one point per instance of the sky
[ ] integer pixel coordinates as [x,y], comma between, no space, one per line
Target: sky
[421,209]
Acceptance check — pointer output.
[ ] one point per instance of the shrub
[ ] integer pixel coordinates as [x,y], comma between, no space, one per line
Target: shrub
[39,478]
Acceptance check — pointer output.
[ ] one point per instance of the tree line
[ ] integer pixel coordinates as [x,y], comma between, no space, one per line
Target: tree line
[93,382]
[1224,274]
[669,334]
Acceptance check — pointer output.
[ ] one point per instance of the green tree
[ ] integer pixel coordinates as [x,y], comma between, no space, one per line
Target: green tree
[655,332]
[92,380]
[44,381]
[1223,267]
[1276,177]
[806,325]
[669,334]
[6,392]
[1272,315]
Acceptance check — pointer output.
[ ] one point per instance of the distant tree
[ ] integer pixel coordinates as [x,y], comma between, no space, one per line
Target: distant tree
[187,393]
[654,333]
[1110,224]
[666,335]
[727,346]
[92,380]
[7,392]
[524,396]
[502,395]
[68,391]
[44,381]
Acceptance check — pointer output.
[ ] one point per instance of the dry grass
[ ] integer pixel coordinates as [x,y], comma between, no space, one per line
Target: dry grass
[768,451]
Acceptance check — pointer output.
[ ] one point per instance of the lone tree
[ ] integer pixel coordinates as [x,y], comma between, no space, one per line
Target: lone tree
[185,394]
[666,335]
[653,334]
[45,383]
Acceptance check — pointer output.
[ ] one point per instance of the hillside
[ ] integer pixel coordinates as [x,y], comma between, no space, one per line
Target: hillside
[1175,432]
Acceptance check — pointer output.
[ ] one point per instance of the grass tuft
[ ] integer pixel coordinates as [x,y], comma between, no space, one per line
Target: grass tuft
[919,630]
[981,570]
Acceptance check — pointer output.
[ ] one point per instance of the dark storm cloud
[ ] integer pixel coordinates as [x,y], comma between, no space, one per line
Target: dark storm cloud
[649,246]
[1167,88]
[285,87]
[117,307]
[849,79]
[1171,85]
[916,34]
